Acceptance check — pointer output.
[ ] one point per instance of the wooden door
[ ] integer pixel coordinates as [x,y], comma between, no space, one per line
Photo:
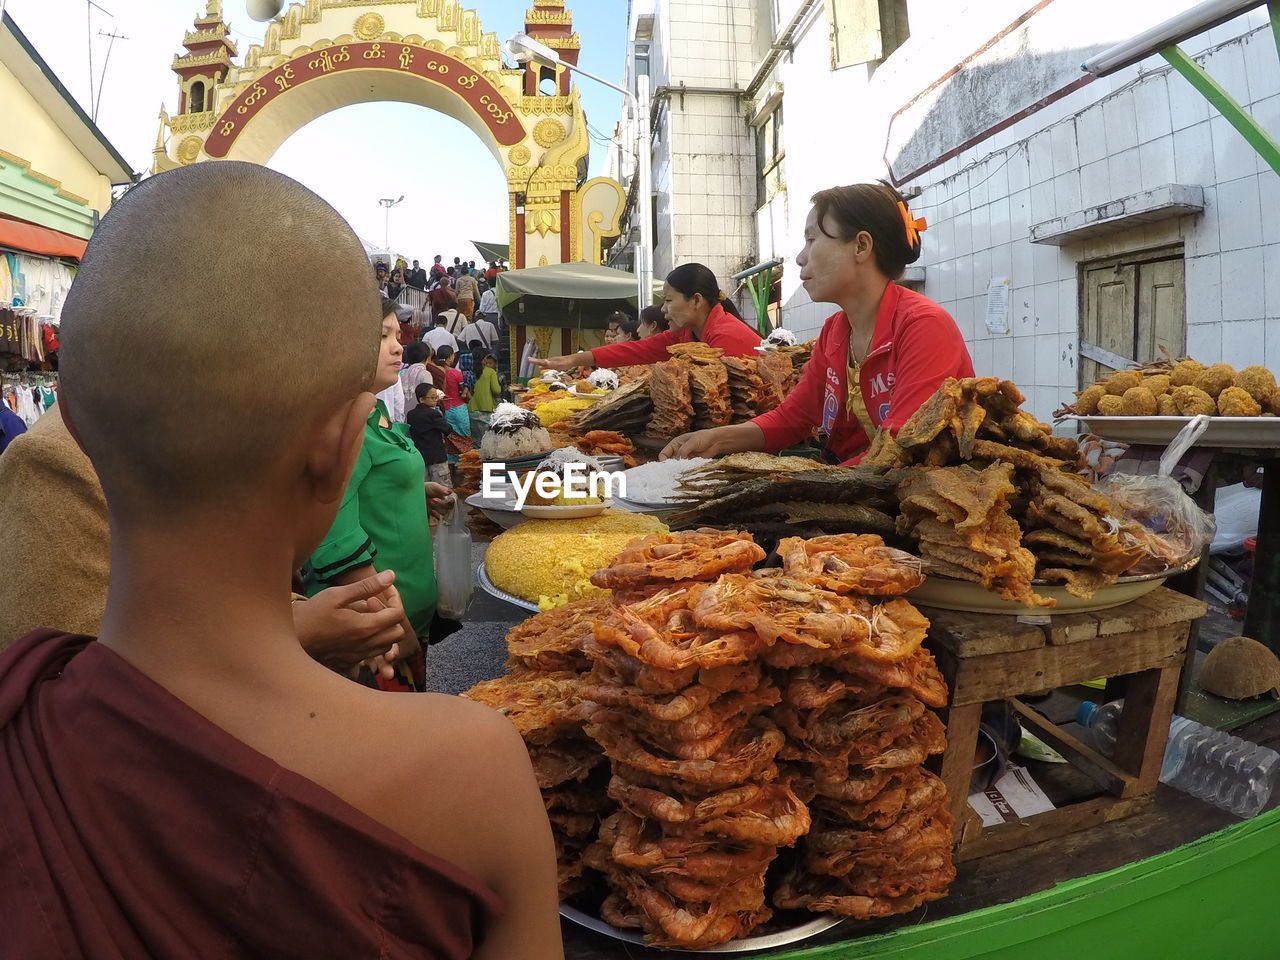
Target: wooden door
[1132,307]
[1162,308]
[1109,318]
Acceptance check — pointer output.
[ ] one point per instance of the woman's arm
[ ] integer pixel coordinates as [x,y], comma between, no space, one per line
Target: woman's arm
[737,438]
[563,364]
[649,350]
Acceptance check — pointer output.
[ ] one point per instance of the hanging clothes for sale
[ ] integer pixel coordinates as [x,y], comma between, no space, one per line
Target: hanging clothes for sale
[46,283]
[6,283]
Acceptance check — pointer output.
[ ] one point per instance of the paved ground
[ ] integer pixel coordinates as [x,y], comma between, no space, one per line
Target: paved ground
[477,652]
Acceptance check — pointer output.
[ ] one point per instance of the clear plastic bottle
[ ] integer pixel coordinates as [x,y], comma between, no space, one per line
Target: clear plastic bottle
[1209,764]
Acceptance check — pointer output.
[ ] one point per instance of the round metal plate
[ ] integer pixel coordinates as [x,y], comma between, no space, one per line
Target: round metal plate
[763,941]
[565,511]
[482,578]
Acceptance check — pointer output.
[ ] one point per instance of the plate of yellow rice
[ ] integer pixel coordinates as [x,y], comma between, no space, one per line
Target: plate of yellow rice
[546,563]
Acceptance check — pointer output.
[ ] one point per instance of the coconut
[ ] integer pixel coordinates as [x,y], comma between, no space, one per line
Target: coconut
[1239,668]
[514,432]
[781,337]
[556,460]
[603,379]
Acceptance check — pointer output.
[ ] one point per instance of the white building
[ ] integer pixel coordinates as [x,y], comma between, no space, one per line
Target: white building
[699,56]
[1125,213]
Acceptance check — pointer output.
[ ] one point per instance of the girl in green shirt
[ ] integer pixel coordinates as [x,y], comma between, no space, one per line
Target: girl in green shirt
[382,523]
[485,393]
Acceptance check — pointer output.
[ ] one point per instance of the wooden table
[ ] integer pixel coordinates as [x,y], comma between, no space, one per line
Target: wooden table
[988,657]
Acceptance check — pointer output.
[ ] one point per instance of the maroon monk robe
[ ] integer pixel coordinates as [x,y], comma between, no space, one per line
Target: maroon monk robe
[131,826]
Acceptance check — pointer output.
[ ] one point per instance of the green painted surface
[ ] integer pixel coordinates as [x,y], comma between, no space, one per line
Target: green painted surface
[29,199]
[1213,91]
[1273,9]
[1213,899]
[1223,714]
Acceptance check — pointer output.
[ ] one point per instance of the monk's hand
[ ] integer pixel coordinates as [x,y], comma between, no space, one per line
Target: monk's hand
[439,500]
[342,627]
[553,363]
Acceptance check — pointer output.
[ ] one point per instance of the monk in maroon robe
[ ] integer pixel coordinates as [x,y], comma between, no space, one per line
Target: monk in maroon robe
[192,783]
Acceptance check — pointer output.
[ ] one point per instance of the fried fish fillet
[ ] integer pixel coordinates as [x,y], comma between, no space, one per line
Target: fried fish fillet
[1052,537]
[1080,583]
[1023,459]
[933,416]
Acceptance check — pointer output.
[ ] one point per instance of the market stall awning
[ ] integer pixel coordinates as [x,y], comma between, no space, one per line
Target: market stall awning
[568,281]
[493,252]
[20,235]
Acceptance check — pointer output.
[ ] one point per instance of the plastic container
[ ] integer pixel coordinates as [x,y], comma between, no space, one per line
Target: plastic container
[1211,765]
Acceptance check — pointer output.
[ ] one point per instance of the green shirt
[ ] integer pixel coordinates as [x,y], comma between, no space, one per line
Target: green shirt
[383,521]
[484,395]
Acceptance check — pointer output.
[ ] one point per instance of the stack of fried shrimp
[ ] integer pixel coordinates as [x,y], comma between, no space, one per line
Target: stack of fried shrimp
[741,711]
[858,729]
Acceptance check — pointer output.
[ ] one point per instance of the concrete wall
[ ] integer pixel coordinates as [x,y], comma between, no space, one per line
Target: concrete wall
[703,151]
[1115,137]
[1099,145]
[31,134]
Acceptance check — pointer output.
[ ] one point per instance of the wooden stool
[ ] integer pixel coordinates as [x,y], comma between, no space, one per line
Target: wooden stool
[990,657]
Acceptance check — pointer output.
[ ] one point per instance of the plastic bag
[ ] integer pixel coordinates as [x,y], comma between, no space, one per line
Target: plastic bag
[1168,524]
[454,581]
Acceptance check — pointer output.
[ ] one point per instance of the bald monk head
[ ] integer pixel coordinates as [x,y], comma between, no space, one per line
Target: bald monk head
[223,413]
[267,319]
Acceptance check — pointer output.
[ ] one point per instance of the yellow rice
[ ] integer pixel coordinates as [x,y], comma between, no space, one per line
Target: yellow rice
[549,562]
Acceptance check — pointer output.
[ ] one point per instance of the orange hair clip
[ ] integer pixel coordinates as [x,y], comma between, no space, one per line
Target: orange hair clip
[914,226]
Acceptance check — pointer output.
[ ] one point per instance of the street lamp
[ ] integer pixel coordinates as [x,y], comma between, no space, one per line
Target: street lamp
[387,204]
[523,48]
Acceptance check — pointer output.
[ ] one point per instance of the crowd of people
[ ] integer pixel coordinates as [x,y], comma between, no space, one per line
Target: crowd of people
[452,342]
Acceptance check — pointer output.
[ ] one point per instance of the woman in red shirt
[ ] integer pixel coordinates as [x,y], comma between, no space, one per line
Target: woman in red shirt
[883,354]
[696,308]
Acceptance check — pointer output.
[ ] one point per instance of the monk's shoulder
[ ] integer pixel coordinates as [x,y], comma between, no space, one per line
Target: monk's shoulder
[471,785]
[472,741]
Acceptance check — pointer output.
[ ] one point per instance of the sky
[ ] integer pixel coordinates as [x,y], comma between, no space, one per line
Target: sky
[453,187]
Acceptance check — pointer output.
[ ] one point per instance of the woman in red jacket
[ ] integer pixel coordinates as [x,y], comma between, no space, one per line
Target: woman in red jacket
[883,354]
[696,308]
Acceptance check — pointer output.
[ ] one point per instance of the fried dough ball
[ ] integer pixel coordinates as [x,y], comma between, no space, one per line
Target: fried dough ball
[1193,401]
[1236,402]
[1273,404]
[1122,380]
[1087,402]
[1138,402]
[1258,382]
[1185,373]
[1166,407]
[1213,380]
[1157,383]
[1111,406]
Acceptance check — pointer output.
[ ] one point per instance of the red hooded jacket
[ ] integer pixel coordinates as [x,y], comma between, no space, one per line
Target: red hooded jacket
[914,347]
[722,330]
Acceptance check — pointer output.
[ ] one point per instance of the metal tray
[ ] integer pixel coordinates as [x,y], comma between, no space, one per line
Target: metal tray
[760,941]
[1249,433]
[966,596]
[482,578]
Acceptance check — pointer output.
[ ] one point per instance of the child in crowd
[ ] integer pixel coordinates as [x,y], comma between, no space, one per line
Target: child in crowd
[427,430]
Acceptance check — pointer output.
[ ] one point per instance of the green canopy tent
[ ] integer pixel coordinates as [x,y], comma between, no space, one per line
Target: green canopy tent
[493,252]
[575,295]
